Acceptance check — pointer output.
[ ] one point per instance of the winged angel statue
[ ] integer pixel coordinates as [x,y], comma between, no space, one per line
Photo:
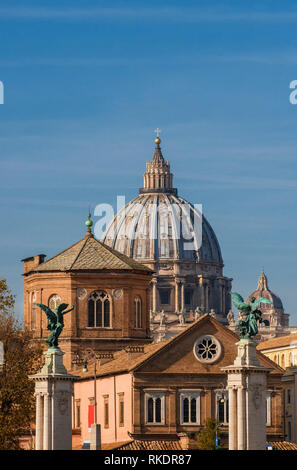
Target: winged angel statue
[250,314]
[55,322]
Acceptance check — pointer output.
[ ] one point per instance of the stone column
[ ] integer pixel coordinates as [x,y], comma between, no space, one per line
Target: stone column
[206,296]
[201,295]
[53,391]
[241,421]
[177,295]
[39,422]
[182,307]
[46,422]
[154,294]
[249,379]
[232,418]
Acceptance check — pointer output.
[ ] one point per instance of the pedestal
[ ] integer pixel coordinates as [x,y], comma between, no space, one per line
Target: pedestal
[53,391]
[247,386]
[95,443]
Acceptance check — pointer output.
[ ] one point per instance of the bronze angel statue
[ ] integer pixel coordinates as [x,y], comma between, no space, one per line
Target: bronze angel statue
[251,315]
[55,322]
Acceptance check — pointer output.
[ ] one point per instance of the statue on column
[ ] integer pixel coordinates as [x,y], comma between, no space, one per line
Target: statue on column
[250,314]
[230,318]
[273,319]
[181,318]
[212,312]
[162,318]
[198,313]
[55,322]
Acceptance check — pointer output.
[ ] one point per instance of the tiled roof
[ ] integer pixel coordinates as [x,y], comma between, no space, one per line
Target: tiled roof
[90,254]
[281,341]
[284,445]
[124,362]
[104,446]
[144,444]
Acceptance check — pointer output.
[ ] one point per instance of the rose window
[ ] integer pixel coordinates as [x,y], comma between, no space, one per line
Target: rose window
[207,349]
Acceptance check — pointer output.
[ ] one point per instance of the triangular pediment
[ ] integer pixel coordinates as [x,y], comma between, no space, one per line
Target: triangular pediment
[205,347]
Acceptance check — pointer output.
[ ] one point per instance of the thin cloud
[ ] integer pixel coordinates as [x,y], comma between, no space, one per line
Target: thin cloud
[162,15]
[229,182]
[263,57]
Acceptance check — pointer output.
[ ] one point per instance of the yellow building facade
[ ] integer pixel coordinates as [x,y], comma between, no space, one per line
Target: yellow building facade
[281,350]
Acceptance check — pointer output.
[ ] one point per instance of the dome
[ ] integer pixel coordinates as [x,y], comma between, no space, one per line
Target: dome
[172,237]
[158,224]
[264,291]
[163,226]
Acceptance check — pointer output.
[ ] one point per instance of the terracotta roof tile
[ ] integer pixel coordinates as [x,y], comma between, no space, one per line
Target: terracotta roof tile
[145,444]
[277,342]
[90,254]
[284,445]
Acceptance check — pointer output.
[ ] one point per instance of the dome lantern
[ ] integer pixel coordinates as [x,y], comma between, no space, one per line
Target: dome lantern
[157,177]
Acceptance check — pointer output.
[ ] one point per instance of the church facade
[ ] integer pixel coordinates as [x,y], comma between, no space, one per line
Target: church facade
[168,389]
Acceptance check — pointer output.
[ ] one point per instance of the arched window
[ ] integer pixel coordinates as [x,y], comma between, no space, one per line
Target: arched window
[137,311]
[99,310]
[33,310]
[54,302]
[155,407]
[190,407]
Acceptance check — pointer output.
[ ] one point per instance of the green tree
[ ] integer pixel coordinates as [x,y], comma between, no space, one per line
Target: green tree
[21,358]
[206,438]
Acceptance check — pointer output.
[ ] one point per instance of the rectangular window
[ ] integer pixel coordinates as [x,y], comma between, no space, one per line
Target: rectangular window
[288,392]
[77,413]
[137,308]
[106,412]
[165,296]
[190,407]
[222,407]
[188,296]
[121,410]
[155,408]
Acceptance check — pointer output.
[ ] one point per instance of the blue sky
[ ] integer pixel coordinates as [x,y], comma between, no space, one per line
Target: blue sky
[86,83]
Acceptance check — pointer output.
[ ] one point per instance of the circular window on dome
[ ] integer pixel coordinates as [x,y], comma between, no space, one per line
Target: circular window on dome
[207,349]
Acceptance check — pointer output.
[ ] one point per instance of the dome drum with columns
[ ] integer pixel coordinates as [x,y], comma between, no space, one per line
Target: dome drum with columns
[170,235]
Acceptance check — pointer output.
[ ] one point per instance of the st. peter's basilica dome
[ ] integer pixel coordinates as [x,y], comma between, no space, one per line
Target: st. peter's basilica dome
[170,235]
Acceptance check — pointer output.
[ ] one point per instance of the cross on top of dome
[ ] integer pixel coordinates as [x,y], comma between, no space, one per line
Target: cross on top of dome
[158,140]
